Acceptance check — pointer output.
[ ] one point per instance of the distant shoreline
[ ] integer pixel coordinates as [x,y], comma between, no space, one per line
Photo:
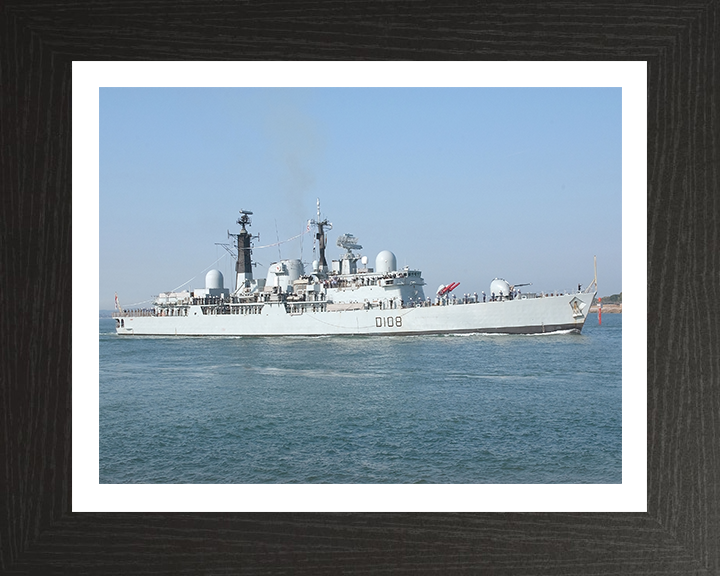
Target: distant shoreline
[608,308]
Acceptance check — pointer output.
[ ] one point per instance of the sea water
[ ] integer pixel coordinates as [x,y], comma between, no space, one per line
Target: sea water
[501,409]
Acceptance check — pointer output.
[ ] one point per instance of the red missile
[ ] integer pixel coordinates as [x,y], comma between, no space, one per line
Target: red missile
[449,288]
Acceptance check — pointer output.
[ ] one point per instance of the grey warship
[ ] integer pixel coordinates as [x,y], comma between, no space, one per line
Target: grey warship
[347,298]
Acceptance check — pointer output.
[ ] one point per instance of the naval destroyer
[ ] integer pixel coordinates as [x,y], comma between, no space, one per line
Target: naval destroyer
[347,298]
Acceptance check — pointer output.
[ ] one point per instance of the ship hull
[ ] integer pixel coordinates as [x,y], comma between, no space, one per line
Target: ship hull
[520,316]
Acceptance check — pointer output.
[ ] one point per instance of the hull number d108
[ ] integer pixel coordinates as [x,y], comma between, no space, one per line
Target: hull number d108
[388,322]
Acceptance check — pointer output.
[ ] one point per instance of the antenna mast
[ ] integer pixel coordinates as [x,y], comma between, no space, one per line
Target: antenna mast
[243,265]
[321,238]
[593,284]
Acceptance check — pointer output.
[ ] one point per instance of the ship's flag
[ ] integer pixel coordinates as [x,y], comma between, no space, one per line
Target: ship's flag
[117,306]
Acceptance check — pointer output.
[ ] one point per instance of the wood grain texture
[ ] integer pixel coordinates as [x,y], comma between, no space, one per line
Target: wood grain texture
[681,531]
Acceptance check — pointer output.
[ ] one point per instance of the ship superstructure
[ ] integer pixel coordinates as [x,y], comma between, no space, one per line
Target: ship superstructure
[346,298]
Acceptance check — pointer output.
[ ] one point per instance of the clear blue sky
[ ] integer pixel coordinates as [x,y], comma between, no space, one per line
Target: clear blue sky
[464,184]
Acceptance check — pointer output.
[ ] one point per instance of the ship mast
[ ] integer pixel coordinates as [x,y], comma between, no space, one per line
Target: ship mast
[243,266]
[321,238]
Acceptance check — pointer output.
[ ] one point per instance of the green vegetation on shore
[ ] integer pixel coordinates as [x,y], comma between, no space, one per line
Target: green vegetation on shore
[612,299]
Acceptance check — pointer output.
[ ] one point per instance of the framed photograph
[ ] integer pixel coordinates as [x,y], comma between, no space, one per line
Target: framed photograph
[501,405]
[665,519]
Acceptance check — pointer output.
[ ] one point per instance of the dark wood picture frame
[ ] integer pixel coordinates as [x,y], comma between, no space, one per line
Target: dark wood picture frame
[680,533]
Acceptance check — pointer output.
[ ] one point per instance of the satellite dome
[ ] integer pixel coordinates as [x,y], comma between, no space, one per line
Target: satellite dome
[385,262]
[214,280]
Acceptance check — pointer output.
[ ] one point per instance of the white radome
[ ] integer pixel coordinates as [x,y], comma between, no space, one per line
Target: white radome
[214,280]
[385,262]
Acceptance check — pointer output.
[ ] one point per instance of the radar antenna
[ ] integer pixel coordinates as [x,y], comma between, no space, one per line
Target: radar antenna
[244,219]
[349,242]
